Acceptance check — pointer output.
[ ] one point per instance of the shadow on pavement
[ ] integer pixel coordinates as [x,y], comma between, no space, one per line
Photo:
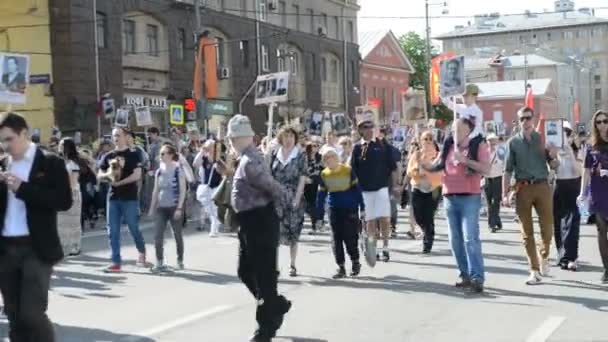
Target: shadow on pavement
[298,339]
[66,333]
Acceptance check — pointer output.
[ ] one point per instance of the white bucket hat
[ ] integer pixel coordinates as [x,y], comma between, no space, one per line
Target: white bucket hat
[239,126]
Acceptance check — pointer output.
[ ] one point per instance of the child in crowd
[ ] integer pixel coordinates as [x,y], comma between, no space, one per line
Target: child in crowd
[345,198]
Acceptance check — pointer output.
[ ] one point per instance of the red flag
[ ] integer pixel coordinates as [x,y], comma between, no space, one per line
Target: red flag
[529,97]
[577,111]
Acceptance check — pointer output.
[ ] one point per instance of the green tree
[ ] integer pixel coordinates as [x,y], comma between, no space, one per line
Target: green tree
[414,47]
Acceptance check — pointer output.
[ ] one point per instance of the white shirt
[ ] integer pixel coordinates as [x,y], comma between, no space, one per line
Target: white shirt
[569,167]
[15,220]
[497,165]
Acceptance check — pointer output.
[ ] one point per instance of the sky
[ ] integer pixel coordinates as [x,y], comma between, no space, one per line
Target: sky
[443,24]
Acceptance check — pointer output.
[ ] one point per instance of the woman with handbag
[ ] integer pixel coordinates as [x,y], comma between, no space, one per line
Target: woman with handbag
[210,180]
[425,188]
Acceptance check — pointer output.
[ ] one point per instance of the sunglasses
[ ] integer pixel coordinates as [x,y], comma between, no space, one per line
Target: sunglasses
[598,122]
[525,118]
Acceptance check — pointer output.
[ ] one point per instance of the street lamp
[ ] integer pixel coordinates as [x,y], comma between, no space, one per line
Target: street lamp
[445,11]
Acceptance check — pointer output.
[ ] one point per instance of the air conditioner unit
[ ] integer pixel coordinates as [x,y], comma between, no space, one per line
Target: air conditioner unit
[223,73]
[273,5]
[322,31]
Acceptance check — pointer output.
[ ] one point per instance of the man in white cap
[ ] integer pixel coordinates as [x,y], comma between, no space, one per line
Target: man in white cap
[493,184]
[254,192]
[377,171]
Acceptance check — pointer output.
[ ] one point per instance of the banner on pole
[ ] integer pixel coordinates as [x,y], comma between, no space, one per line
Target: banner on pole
[272,88]
[143,116]
[451,77]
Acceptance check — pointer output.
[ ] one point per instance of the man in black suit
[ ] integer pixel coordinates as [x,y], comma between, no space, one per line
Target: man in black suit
[34,186]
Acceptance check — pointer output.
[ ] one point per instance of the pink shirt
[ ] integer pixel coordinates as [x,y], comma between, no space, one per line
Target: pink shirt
[456,180]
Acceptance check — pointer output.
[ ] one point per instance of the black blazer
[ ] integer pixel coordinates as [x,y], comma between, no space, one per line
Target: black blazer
[46,192]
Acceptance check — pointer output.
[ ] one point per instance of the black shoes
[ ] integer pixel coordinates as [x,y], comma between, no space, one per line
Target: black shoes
[605,277]
[260,337]
[356,269]
[476,286]
[386,256]
[463,283]
[341,273]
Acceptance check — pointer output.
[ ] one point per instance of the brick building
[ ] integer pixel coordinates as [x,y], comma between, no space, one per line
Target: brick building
[385,71]
[500,101]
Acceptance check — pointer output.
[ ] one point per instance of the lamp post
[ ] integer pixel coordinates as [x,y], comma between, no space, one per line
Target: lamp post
[427,83]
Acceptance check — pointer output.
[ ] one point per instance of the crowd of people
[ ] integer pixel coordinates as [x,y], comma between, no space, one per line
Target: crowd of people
[264,188]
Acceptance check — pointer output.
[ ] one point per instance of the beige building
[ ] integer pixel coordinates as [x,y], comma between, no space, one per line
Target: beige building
[575,36]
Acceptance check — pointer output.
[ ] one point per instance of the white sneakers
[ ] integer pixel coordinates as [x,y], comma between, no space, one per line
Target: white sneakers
[534,278]
[545,268]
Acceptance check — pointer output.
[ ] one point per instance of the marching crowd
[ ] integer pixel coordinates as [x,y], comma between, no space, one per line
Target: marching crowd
[264,188]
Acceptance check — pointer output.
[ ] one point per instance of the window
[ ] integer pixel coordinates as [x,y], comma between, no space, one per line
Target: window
[324,21]
[220,51]
[375,92]
[568,35]
[245,53]
[128,36]
[549,36]
[311,17]
[323,69]
[293,64]
[334,71]
[283,13]
[337,23]
[351,31]
[598,95]
[152,39]
[598,79]
[364,94]
[265,63]
[281,55]
[263,13]
[102,26]
[394,100]
[181,43]
[296,11]
[244,8]
[313,66]
[581,34]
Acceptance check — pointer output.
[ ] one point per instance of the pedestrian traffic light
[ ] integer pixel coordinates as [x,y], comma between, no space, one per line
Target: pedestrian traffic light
[189,104]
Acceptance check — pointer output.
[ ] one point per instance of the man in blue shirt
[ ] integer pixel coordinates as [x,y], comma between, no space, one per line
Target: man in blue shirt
[375,166]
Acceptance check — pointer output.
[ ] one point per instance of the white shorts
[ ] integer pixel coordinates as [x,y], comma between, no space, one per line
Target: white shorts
[377,204]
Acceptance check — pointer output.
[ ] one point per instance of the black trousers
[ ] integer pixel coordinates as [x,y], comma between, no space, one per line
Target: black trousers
[493,190]
[602,239]
[425,206]
[24,283]
[566,218]
[310,195]
[257,269]
[345,233]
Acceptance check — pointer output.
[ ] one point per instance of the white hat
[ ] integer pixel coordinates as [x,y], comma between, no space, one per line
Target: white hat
[326,150]
[567,125]
[366,117]
[492,136]
[239,126]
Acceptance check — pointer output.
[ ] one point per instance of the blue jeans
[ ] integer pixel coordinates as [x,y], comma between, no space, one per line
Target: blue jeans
[463,223]
[117,211]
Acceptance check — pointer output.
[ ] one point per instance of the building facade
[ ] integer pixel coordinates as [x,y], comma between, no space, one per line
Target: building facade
[24,30]
[385,72]
[570,83]
[575,36]
[500,101]
[146,56]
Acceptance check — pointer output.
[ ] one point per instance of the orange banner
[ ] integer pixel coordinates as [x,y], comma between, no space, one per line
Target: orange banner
[434,81]
[198,73]
[209,55]
[577,112]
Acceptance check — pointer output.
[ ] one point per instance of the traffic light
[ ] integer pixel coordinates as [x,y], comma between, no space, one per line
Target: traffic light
[189,104]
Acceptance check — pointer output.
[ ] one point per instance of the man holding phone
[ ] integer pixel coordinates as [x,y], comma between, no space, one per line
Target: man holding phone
[34,186]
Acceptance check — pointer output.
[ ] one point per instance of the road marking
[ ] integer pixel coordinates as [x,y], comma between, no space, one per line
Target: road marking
[178,323]
[549,326]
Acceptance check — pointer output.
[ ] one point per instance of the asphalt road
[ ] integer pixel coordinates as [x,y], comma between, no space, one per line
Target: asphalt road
[412,298]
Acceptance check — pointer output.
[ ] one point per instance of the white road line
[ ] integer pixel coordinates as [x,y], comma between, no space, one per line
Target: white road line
[546,329]
[178,323]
